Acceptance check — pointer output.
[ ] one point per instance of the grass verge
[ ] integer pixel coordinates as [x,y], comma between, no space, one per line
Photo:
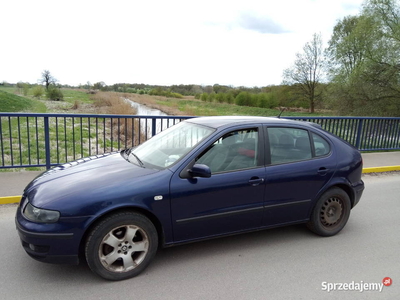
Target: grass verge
[13,103]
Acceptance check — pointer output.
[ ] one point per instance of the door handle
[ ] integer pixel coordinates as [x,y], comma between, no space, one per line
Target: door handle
[254,181]
[323,171]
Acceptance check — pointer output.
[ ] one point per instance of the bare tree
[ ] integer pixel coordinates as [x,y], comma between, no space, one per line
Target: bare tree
[47,79]
[308,70]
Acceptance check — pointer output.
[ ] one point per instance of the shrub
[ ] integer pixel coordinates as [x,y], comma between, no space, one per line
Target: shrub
[25,88]
[168,93]
[76,105]
[211,97]
[131,90]
[54,93]
[230,98]
[220,97]
[267,100]
[38,91]
[243,99]
[253,100]
[174,95]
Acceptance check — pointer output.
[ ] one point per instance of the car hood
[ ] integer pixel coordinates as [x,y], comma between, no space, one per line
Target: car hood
[93,177]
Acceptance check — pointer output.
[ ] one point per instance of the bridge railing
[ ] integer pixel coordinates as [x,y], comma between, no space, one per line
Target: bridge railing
[45,140]
[365,133]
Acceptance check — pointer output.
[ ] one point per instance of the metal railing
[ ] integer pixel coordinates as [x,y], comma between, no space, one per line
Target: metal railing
[45,140]
[365,133]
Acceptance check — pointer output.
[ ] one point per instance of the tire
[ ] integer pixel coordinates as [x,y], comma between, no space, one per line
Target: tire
[121,246]
[330,213]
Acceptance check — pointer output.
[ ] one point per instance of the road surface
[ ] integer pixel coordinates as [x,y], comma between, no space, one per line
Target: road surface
[283,263]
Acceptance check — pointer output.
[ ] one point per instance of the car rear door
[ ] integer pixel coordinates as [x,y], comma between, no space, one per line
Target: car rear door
[299,163]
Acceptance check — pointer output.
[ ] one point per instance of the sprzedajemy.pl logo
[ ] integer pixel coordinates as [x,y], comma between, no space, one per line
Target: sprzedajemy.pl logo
[356,286]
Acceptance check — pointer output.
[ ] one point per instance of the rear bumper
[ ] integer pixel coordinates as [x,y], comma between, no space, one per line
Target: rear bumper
[358,189]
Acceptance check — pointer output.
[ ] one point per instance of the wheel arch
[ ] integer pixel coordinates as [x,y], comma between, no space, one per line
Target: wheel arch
[146,213]
[347,189]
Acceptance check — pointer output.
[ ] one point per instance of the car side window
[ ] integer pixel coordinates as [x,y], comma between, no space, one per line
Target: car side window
[289,144]
[321,146]
[234,151]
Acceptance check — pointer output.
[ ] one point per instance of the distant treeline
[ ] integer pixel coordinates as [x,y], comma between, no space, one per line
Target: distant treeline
[266,97]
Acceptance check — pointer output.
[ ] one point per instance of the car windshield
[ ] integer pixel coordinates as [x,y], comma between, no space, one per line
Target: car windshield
[170,145]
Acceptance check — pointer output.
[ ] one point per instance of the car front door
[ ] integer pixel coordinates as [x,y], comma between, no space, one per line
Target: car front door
[231,200]
[300,164]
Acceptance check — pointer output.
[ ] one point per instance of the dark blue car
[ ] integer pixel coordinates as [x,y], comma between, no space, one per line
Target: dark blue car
[200,179]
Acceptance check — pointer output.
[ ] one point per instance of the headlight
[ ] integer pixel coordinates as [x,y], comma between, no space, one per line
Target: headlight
[39,215]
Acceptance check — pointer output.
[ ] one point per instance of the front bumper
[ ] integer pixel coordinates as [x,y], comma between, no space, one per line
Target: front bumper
[43,246]
[57,243]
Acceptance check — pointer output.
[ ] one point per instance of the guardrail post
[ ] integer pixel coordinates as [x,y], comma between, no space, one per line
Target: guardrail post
[47,141]
[359,133]
[153,126]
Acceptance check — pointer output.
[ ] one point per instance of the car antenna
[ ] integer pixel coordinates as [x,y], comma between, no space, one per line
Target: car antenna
[282,110]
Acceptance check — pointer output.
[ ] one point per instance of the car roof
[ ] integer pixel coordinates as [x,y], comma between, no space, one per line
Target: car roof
[226,121]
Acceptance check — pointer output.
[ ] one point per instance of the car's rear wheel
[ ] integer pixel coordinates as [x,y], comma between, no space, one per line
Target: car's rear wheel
[121,246]
[331,213]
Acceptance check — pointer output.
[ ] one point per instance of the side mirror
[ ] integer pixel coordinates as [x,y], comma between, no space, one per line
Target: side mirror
[200,170]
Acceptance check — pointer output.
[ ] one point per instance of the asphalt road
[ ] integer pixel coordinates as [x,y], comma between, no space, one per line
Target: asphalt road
[283,263]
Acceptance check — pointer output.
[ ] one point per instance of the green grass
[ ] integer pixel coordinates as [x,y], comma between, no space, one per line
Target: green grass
[201,108]
[9,102]
[72,95]
[13,103]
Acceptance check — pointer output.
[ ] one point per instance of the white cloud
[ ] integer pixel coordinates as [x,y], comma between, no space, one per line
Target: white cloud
[161,42]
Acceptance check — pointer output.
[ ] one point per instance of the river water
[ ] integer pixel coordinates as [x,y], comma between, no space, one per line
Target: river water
[143,110]
[146,124]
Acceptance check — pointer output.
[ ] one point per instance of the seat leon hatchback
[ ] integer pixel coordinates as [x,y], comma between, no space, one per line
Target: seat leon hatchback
[200,179]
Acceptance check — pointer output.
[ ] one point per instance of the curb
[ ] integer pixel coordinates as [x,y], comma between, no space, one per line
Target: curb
[380,169]
[16,199]
[9,200]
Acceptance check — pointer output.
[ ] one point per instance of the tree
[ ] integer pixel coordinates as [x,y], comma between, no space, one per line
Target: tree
[347,46]
[369,82]
[47,79]
[99,85]
[308,70]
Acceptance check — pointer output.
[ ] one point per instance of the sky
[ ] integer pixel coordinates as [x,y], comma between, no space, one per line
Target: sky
[161,42]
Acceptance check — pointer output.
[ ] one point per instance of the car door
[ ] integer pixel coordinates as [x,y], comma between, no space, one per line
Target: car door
[299,164]
[231,200]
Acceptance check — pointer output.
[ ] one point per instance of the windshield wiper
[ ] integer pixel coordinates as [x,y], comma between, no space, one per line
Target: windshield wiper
[137,158]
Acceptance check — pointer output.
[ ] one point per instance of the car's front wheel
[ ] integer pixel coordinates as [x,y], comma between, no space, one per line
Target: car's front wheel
[121,246]
[330,213]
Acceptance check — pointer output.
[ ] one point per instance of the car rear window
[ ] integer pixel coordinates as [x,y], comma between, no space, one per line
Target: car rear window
[321,146]
[289,144]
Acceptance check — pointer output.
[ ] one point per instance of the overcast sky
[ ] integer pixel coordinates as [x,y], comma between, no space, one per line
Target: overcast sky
[162,42]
